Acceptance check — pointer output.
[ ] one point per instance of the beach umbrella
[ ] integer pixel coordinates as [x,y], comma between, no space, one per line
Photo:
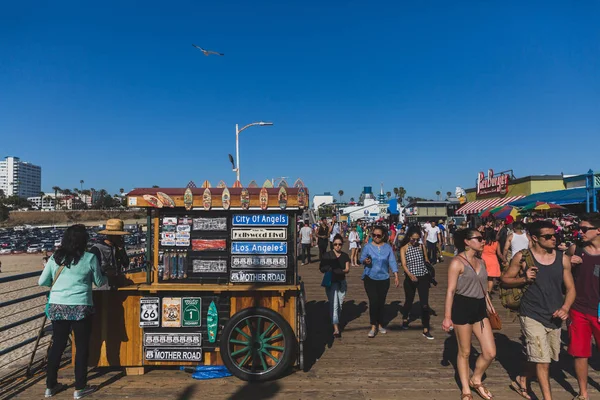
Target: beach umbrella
[542,206]
[488,212]
[506,211]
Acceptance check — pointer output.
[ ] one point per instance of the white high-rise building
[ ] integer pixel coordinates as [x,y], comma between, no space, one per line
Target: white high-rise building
[20,178]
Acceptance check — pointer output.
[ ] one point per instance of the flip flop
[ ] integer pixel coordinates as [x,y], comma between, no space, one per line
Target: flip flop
[521,391]
[486,395]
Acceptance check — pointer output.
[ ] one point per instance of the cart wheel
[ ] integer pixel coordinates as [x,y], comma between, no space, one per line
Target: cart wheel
[301,356]
[257,344]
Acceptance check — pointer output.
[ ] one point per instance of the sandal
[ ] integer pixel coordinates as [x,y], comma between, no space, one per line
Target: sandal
[467,396]
[481,390]
[521,391]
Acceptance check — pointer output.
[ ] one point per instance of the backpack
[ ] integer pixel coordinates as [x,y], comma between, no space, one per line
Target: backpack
[511,297]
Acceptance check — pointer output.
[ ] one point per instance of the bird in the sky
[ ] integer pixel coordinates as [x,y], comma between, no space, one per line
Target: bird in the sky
[207,52]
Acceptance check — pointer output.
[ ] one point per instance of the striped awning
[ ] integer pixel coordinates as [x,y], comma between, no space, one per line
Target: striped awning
[475,207]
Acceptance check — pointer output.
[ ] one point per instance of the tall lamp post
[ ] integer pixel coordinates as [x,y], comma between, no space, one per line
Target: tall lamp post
[237,145]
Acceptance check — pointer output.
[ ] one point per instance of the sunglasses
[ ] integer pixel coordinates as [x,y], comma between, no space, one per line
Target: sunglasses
[375,235]
[478,238]
[548,236]
[337,244]
[584,229]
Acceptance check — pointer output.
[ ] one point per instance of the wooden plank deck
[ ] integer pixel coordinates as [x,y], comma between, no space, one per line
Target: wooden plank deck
[400,364]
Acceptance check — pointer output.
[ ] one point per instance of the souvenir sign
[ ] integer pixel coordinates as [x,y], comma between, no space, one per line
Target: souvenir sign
[259,262]
[209,244]
[282,198]
[210,224]
[153,201]
[188,199]
[207,199]
[237,184]
[165,199]
[245,199]
[301,198]
[182,235]
[167,242]
[298,183]
[259,234]
[168,228]
[212,322]
[169,221]
[149,312]
[259,248]
[206,184]
[173,339]
[184,221]
[132,201]
[268,184]
[283,183]
[258,276]
[200,266]
[182,242]
[253,184]
[260,220]
[264,198]
[222,185]
[226,199]
[171,312]
[183,228]
[172,354]
[168,235]
[191,311]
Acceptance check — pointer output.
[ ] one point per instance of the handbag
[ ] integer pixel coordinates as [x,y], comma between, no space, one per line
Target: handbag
[326,282]
[511,297]
[495,321]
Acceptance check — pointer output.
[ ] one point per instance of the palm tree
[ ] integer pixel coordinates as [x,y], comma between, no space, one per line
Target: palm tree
[56,190]
[341,193]
[438,194]
[401,193]
[81,183]
[448,195]
[351,199]
[155,186]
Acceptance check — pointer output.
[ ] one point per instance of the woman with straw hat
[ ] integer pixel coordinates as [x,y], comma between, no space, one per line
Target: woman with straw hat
[111,251]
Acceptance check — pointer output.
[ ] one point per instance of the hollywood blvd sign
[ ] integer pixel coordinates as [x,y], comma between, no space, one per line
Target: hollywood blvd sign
[492,184]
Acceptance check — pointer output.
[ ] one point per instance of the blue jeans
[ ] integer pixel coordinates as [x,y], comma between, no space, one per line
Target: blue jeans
[336,294]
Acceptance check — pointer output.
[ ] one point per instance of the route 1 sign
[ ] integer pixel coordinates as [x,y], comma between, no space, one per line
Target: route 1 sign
[191,307]
[149,312]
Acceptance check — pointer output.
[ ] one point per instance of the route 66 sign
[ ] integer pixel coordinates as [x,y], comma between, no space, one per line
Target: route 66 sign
[149,315]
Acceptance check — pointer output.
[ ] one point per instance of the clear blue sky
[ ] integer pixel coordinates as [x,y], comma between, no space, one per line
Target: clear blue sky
[420,94]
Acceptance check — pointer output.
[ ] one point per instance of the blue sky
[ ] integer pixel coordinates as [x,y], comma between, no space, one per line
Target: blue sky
[415,94]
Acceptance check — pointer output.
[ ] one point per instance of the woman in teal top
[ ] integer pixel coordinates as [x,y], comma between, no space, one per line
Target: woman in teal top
[378,258]
[70,306]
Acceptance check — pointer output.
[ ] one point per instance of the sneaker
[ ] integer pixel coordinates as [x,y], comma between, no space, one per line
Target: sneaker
[404,325]
[57,388]
[382,330]
[371,333]
[78,394]
[428,335]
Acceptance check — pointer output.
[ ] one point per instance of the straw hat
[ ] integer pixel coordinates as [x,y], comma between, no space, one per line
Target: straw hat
[114,227]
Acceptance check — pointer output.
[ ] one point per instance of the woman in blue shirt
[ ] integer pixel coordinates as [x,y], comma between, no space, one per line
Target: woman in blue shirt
[378,258]
[70,306]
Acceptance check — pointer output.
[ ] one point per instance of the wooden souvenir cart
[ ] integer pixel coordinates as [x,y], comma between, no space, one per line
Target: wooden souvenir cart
[221,288]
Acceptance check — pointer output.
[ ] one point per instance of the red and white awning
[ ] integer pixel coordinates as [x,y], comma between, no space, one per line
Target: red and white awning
[475,207]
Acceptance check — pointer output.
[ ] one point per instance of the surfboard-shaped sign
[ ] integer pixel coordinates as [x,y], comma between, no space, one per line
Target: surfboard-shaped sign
[301,198]
[298,183]
[267,184]
[165,199]
[264,198]
[245,199]
[207,199]
[282,197]
[188,199]
[283,183]
[206,184]
[212,322]
[237,184]
[253,184]
[222,185]
[226,199]
[153,200]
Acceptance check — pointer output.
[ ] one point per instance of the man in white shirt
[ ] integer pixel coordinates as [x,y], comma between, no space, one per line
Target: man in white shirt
[306,239]
[433,238]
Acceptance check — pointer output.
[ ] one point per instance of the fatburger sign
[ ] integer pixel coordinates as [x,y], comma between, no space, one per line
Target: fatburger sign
[491,184]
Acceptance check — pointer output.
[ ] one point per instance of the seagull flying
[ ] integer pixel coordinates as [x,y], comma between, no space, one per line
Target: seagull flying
[207,52]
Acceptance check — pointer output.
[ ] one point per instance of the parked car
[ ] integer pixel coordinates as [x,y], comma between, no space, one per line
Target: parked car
[6,250]
[34,248]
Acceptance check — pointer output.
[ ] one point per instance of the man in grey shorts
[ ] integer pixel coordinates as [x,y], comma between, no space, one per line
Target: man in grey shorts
[543,308]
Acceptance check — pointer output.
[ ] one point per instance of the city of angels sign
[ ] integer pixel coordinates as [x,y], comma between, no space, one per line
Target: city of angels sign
[492,184]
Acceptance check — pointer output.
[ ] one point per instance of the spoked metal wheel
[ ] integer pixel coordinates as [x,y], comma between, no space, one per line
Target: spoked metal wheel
[258,344]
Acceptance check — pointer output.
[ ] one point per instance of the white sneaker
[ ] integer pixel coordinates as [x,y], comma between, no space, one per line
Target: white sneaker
[57,388]
[371,333]
[78,394]
[382,330]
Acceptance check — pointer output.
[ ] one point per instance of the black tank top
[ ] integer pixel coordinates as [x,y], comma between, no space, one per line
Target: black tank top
[544,296]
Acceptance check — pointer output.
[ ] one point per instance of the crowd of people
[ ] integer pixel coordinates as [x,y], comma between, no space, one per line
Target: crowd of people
[553,264]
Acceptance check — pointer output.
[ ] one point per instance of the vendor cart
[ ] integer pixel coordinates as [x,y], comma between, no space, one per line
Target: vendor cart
[220,286]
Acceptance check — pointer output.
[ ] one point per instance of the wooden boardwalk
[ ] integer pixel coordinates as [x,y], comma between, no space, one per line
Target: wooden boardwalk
[398,365]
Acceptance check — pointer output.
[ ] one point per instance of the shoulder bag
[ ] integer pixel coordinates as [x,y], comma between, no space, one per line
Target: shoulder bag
[493,316]
[511,297]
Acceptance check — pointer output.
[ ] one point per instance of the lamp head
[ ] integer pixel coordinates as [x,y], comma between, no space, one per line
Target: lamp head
[262,123]
[231,161]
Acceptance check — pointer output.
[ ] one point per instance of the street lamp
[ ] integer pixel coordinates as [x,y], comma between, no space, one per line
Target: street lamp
[237,145]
